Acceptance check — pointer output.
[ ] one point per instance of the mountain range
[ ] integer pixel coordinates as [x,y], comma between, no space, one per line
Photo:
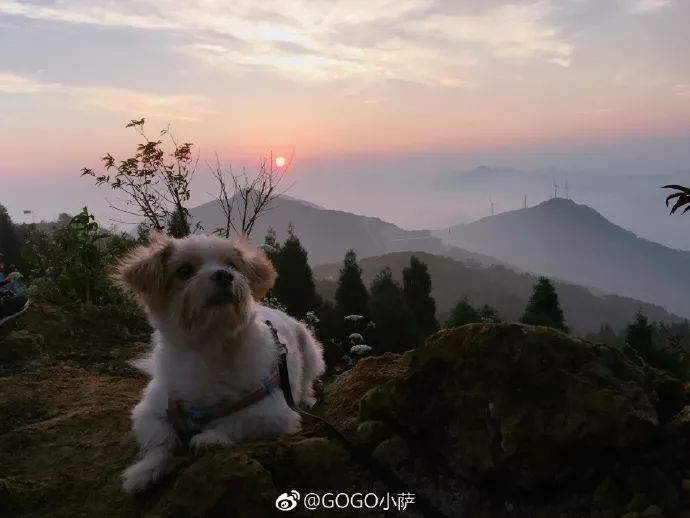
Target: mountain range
[495,260]
[327,234]
[573,242]
[632,201]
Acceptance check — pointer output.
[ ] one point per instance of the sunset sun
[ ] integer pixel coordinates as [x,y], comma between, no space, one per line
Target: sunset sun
[280,161]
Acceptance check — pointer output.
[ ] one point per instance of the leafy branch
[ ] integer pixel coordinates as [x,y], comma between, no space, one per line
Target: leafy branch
[155,182]
[682,198]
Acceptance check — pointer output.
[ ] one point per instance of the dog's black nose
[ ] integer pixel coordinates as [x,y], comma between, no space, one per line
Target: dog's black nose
[222,277]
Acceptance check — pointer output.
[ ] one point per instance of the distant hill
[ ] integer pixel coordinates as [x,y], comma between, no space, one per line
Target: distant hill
[328,234]
[575,243]
[633,201]
[502,288]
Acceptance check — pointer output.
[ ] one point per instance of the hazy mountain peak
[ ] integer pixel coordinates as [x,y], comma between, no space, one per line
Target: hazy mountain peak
[567,208]
[570,241]
[327,234]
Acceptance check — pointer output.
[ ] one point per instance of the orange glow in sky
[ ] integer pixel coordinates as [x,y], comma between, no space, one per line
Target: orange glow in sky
[465,77]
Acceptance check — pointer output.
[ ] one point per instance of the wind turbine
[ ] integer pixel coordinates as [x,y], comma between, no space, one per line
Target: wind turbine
[567,195]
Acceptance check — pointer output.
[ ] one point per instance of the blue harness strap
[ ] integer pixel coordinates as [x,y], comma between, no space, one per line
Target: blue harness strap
[365,460]
[188,421]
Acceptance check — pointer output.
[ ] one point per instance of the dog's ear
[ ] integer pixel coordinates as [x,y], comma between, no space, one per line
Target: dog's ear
[142,271]
[257,268]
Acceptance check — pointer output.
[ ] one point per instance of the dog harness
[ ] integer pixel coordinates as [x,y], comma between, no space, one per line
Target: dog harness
[188,421]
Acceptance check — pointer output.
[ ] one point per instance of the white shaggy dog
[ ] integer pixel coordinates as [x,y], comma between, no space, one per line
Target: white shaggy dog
[213,350]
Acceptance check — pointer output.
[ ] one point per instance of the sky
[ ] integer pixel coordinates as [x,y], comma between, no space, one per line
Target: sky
[362,94]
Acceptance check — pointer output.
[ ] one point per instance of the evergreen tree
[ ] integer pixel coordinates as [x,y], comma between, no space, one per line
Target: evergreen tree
[294,287]
[465,313]
[653,348]
[543,308]
[351,297]
[639,334]
[417,289]
[395,327]
[605,335]
[10,245]
[489,315]
[677,335]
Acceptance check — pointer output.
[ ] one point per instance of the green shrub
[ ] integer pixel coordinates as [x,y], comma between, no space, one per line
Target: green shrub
[72,261]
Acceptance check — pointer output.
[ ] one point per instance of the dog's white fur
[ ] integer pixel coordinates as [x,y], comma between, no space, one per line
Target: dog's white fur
[211,345]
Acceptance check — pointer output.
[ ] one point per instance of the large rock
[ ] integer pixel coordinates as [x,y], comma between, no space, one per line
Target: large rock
[521,406]
[246,480]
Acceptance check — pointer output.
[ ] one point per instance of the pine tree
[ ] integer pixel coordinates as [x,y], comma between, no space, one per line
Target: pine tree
[652,347]
[465,313]
[639,334]
[395,327]
[10,245]
[489,315]
[543,308]
[294,287]
[417,289]
[351,297]
[605,335]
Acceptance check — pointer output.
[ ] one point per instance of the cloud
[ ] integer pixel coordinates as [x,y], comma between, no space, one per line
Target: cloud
[96,13]
[376,100]
[16,84]
[514,30]
[188,107]
[640,77]
[306,65]
[682,90]
[419,41]
[647,6]
[393,59]
[133,103]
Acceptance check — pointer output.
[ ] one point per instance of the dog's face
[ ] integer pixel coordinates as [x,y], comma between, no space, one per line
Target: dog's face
[199,283]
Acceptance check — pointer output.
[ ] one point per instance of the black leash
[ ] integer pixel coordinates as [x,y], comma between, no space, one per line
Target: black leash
[369,463]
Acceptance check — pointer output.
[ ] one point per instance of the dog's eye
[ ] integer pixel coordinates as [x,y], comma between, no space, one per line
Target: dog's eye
[186,271]
[231,263]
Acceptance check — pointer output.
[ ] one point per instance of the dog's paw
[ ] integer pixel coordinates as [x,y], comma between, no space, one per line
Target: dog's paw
[209,439]
[141,476]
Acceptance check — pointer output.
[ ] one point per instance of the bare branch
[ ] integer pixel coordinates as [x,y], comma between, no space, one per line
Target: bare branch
[251,195]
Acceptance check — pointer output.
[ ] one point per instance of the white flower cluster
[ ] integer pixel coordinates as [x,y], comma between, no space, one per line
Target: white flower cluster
[356,338]
[360,349]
